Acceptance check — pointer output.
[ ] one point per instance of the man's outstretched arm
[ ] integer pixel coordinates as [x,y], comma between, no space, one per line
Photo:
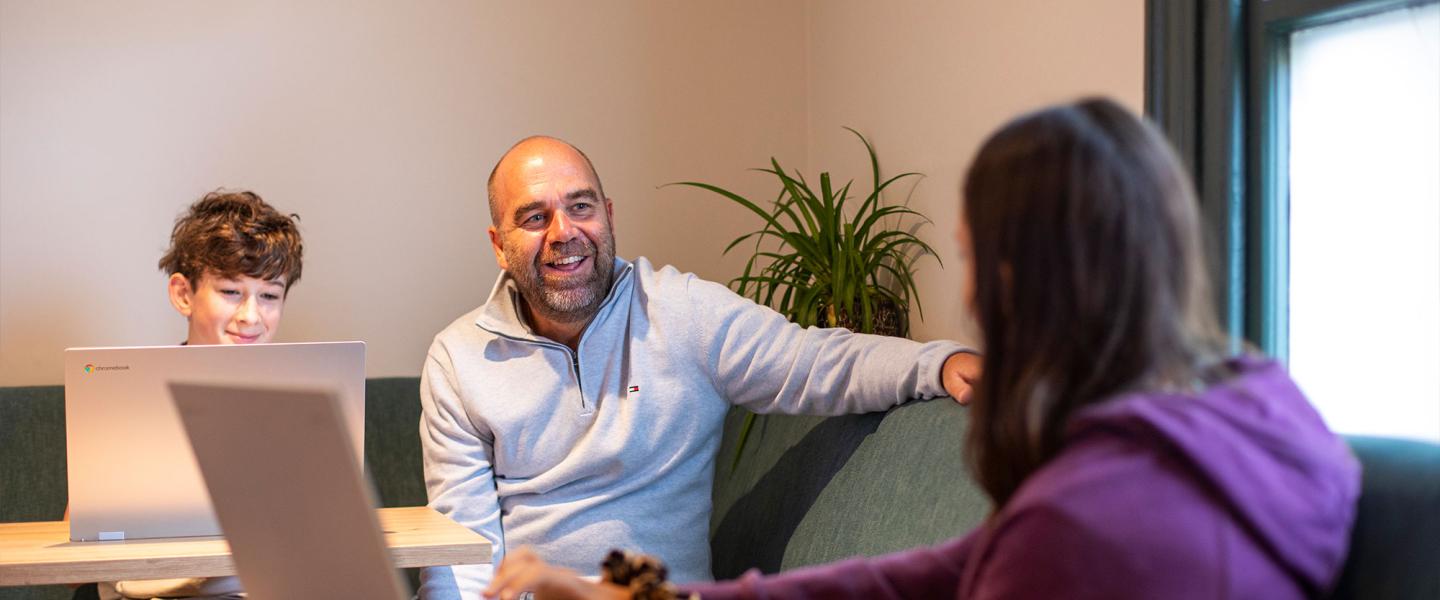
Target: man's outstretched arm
[767,364]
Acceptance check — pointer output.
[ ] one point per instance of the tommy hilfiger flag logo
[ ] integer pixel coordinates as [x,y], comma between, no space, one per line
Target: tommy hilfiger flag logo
[634,388]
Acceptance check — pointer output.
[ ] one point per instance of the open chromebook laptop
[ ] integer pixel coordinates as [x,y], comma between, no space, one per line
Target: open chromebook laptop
[297,511]
[131,472]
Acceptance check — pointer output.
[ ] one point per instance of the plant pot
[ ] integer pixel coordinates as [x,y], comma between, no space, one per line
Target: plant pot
[886,320]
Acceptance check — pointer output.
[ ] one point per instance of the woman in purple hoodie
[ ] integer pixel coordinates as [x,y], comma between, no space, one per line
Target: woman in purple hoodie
[1127,454]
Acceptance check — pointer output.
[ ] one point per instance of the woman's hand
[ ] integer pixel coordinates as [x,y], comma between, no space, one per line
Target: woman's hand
[524,571]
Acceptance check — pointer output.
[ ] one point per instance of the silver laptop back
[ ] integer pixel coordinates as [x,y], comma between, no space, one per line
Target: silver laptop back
[297,511]
[131,472]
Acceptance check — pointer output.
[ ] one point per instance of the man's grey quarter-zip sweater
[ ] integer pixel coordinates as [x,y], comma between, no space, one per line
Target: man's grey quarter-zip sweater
[613,445]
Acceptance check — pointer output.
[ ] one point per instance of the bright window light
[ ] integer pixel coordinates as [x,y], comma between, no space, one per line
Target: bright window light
[1364,220]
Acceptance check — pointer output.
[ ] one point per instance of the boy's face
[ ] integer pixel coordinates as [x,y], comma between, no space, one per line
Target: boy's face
[244,310]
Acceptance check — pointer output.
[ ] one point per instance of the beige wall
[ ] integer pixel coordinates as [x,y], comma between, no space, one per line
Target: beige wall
[926,81]
[377,122]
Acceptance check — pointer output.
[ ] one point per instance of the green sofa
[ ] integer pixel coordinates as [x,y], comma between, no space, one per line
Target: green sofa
[807,490]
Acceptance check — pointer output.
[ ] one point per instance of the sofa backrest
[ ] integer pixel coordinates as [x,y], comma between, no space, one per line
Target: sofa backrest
[392,440]
[810,490]
[1395,546]
[32,447]
[32,453]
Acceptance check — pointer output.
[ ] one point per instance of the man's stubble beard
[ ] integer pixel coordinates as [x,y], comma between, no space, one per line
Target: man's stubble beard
[571,304]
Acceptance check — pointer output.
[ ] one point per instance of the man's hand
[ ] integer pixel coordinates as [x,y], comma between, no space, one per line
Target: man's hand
[959,375]
[524,571]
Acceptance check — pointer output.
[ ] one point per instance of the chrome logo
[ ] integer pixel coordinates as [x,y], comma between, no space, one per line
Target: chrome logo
[89,367]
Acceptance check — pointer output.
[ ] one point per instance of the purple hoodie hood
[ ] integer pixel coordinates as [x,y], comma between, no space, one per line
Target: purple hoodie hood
[1265,451]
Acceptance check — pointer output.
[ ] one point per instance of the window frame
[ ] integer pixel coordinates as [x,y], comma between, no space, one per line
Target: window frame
[1217,83]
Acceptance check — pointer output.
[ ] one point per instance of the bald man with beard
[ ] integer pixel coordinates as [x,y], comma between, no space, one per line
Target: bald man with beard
[580,408]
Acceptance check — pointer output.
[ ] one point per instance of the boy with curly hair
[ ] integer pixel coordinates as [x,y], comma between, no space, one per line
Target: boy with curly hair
[231,263]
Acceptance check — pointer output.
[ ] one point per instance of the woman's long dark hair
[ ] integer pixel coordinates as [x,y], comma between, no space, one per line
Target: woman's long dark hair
[1089,279]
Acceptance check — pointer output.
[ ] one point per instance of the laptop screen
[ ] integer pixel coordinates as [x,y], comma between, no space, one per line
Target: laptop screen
[298,513]
[130,468]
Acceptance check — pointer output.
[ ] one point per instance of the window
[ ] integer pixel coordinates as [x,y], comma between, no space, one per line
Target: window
[1313,131]
[1363,298]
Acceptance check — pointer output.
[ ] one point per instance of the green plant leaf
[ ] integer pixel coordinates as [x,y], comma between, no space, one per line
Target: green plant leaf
[840,198]
[896,244]
[740,443]
[810,205]
[872,202]
[799,196]
[874,160]
[882,212]
[738,199]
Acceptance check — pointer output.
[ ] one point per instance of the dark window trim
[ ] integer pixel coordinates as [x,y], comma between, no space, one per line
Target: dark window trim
[1195,95]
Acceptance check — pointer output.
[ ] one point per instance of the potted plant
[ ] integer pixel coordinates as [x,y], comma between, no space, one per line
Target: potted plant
[818,261]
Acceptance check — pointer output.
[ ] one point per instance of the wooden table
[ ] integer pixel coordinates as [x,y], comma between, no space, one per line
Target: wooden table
[42,553]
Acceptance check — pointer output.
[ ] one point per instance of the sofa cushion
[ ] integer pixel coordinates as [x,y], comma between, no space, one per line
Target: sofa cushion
[811,490]
[32,466]
[392,440]
[32,453]
[1395,546]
